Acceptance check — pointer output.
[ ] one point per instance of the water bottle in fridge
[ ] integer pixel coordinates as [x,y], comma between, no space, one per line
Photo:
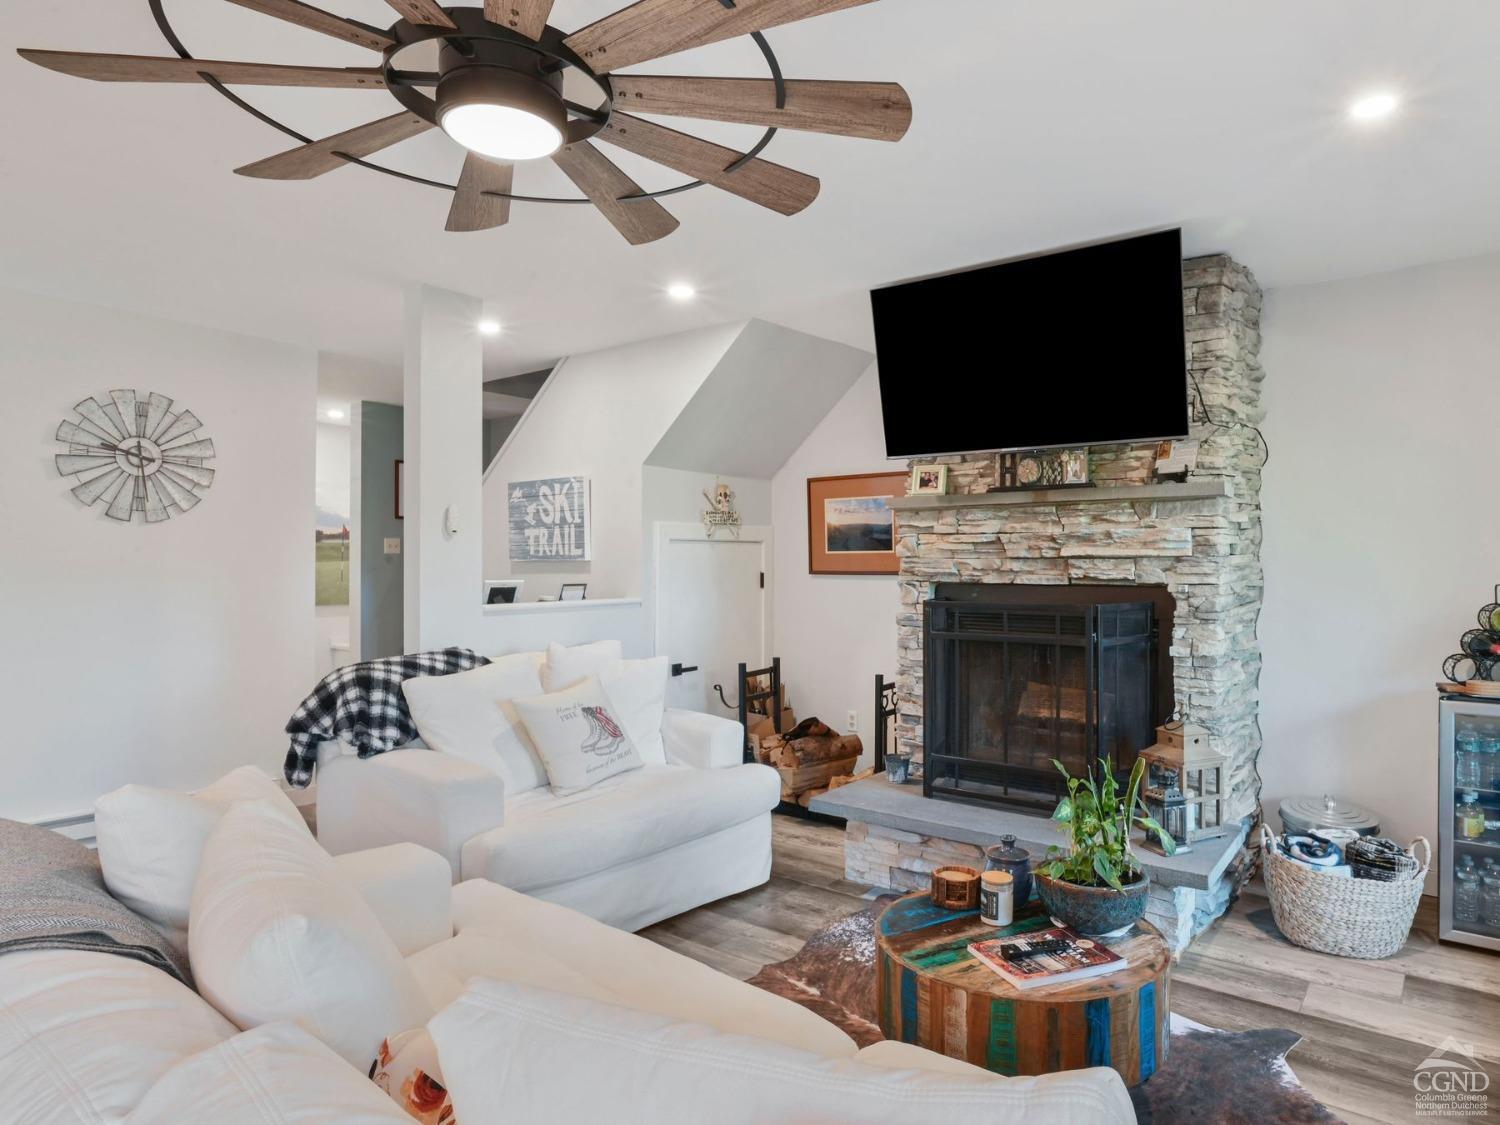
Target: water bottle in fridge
[1466,889]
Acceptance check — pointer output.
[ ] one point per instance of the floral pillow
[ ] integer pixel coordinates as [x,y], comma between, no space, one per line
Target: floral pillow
[407,1070]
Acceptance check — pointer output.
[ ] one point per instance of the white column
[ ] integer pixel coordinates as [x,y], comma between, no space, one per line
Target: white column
[444,379]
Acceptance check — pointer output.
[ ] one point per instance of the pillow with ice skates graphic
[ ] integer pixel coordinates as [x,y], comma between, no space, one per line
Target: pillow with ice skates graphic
[579,736]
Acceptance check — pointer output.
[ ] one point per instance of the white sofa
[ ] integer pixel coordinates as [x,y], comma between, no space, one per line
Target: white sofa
[630,851]
[90,1037]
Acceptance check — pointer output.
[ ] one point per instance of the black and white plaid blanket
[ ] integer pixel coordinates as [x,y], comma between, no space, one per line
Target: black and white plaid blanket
[362,705]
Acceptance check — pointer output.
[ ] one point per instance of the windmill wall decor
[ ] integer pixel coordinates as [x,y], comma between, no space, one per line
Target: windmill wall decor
[498,91]
[133,453]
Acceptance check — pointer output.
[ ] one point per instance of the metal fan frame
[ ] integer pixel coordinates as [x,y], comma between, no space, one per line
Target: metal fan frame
[402,88]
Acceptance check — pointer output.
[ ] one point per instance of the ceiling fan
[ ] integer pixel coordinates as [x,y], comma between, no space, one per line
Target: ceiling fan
[498,91]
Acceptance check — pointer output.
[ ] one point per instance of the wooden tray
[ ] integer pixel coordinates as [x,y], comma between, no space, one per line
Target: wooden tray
[1480,689]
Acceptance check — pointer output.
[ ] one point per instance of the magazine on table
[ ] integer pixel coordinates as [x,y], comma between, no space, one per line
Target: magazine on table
[1064,956]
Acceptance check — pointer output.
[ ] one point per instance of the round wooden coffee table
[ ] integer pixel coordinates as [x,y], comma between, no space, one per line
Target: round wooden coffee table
[933,993]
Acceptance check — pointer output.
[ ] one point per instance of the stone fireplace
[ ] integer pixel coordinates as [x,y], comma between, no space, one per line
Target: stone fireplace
[1191,548]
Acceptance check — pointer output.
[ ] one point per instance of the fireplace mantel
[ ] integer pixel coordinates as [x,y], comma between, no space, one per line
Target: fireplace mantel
[1202,488]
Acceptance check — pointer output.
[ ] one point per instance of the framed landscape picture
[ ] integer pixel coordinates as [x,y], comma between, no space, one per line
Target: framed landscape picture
[851,528]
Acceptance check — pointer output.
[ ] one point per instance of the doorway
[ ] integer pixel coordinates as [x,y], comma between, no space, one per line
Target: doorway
[713,610]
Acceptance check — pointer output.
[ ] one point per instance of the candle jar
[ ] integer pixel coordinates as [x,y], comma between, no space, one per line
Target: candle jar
[996,898]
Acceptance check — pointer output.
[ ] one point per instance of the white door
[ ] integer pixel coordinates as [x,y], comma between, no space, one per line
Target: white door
[713,599]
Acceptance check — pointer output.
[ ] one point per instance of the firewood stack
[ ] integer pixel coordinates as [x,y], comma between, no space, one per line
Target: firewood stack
[811,759]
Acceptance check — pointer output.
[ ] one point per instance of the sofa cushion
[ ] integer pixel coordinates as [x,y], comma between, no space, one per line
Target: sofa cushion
[277,933]
[150,841]
[580,736]
[276,1074]
[84,1035]
[471,716]
[507,936]
[548,839]
[566,665]
[516,1053]
[638,689]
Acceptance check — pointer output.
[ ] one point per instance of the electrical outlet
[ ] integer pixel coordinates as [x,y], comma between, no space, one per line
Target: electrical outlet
[393,546]
[851,725]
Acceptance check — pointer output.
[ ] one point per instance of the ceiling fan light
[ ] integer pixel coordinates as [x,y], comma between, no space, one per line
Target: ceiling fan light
[501,115]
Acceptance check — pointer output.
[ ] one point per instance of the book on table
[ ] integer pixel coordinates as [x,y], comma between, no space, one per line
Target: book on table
[1065,956]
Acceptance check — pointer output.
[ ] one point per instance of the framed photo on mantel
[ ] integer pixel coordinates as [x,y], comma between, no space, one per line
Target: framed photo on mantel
[851,528]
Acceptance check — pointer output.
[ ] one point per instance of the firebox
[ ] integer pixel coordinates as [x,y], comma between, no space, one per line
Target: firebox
[1017,676]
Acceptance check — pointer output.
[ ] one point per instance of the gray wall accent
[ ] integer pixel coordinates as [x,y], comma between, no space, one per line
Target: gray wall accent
[496,430]
[381,617]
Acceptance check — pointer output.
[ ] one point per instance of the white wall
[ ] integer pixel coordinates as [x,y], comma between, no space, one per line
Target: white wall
[169,653]
[833,632]
[599,416]
[1382,537]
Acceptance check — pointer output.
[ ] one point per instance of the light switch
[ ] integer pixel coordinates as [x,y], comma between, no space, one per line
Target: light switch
[393,546]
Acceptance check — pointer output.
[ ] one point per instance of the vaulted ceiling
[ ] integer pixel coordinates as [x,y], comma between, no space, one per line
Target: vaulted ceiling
[1036,125]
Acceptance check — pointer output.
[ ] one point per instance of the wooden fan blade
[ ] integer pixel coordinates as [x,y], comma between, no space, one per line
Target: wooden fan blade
[529,17]
[877,111]
[309,161]
[653,28]
[644,220]
[316,19]
[423,12]
[474,210]
[759,181]
[151,68]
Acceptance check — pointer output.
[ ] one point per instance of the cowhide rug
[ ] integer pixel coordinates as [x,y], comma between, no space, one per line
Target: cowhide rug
[1211,1077]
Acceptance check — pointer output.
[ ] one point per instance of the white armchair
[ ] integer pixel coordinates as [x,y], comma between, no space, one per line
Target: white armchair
[630,851]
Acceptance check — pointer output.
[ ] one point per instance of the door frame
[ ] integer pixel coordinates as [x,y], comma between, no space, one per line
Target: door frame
[665,532]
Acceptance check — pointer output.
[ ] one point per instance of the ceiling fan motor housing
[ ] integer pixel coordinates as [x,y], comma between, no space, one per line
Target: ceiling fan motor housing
[493,72]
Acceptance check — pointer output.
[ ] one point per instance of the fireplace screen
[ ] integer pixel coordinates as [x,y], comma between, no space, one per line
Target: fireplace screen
[1010,688]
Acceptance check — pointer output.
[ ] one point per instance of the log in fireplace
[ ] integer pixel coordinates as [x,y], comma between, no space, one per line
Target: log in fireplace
[1017,676]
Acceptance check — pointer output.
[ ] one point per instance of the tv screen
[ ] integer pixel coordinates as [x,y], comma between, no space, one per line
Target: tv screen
[1081,347]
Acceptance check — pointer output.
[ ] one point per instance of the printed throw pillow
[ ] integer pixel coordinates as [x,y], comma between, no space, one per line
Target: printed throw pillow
[579,735]
[407,1070]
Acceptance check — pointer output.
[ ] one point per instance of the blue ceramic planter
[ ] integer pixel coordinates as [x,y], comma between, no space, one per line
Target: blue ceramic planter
[1093,911]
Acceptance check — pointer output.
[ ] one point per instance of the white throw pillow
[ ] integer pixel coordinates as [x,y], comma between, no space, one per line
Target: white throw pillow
[580,736]
[512,1052]
[567,666]
[278,933]
[638,689]
[150,840]
[277,1074]
[471,716]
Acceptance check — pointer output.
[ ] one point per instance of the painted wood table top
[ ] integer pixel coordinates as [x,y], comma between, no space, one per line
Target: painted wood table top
[935,994]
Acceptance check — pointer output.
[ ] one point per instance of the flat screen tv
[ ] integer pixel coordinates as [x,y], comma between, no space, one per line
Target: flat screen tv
[1080,347]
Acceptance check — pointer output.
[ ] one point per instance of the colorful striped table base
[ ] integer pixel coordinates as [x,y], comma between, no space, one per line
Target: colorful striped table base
[933,993]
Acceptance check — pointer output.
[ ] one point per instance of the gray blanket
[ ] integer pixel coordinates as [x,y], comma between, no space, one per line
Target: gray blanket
[52,896]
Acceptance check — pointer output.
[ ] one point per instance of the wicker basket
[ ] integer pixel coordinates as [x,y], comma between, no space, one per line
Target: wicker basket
[1348,917]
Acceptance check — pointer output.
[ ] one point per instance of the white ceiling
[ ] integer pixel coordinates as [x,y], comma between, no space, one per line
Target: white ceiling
[1037,124]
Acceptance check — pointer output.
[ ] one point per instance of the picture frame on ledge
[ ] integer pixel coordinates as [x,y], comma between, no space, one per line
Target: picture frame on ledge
[851,527]
[929,480]
[573,592]
[1047,468]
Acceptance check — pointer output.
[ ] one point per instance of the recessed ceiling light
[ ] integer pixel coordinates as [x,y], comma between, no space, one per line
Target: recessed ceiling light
[335,414]
[681,291]
[1374,107]
[489,328]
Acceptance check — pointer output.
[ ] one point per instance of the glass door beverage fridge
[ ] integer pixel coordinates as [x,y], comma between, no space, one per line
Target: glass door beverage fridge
[1469,821]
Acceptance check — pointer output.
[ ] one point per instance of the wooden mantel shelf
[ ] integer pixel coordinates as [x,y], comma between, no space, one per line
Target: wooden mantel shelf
[1205,488]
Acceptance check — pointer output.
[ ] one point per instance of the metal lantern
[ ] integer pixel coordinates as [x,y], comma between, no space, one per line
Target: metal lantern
[1185,786]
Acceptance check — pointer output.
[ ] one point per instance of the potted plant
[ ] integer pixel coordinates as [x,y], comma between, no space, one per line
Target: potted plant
[1097,886]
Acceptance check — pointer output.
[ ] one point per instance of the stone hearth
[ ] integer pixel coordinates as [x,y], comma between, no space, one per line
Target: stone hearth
[1204,550]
